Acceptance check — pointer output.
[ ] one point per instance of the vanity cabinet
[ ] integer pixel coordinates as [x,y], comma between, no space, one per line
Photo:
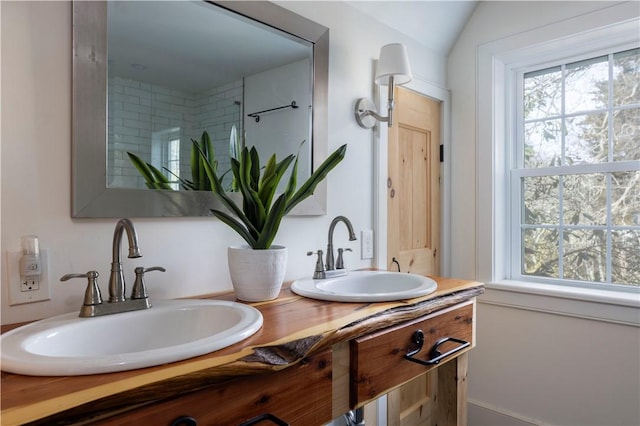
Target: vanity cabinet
[298,395]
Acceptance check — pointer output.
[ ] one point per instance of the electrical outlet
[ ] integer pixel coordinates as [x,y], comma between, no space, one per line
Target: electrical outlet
[32,288]
[366,242]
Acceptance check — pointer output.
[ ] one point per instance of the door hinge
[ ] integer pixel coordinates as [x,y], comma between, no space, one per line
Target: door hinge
[441,153]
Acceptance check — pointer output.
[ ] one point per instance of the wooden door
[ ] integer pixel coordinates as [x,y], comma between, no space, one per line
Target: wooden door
[413,228]
[413,185]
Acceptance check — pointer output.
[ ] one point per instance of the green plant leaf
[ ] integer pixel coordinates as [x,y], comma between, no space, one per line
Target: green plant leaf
[234,152]
[154,178]
[307,188]
[272,224]
[237,226]
[252,206]
[254,168]
[271,176]
[195,162]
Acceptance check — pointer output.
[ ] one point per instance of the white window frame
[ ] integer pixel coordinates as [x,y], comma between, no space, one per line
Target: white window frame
[497,64]
[518,171]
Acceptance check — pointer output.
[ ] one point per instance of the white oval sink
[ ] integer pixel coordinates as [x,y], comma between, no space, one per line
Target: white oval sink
[366,286]
[172,330]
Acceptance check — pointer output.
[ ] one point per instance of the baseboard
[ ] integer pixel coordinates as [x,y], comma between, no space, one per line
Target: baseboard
[481,414]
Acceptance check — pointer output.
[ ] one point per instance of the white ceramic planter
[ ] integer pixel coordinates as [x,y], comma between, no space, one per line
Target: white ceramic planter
[257,275]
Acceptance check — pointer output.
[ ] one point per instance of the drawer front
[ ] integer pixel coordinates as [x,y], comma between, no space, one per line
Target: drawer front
[299,395]
[378,361]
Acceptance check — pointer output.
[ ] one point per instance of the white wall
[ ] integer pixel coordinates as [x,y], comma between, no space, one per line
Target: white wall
[530,366]
[36,140]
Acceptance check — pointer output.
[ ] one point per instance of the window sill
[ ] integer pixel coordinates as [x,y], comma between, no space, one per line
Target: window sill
[598,305]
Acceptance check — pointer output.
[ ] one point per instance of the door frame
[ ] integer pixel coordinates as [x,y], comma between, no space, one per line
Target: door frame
[381,137]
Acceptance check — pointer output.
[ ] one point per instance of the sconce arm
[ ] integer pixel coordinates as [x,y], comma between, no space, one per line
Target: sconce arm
[365,113]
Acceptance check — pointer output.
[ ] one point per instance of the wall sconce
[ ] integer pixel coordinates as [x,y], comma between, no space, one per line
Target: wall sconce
[393,69]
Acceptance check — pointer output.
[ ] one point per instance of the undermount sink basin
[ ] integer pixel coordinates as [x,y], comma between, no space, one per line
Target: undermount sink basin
[172,330]
[366,286]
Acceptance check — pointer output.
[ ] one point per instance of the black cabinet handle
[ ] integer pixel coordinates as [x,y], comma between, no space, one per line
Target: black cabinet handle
[435,356]
[266,416]
[184,421]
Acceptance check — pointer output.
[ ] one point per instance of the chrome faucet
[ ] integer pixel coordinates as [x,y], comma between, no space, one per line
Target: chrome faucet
[93,305]
[332,227]
[116,280]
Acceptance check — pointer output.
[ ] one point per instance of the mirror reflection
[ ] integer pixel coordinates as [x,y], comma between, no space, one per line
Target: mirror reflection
[179,69]
[176,70]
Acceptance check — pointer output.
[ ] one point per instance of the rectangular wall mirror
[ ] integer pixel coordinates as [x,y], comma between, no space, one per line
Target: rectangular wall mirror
[150,77]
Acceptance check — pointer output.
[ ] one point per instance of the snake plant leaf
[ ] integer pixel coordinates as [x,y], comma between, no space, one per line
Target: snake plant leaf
[234,152]
[272,224]
[307,188]
[254,168]
[154,179]
[142,167]
[207,146]
[252,207]
[271,179]
[195,161]
[237,226]
[185,183]
[293,180]
[201,181]
[158,175]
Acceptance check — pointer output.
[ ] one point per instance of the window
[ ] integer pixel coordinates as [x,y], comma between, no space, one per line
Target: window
[165,151]
[575,179]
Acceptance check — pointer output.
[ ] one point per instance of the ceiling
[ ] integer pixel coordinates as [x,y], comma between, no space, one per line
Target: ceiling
[149,41]
[435,24]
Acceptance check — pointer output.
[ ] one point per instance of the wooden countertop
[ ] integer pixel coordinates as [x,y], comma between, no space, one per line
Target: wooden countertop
[294,327]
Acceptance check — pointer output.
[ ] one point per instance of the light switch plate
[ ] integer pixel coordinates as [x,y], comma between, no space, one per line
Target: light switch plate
[34,290]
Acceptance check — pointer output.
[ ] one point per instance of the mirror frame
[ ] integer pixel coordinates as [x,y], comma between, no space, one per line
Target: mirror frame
[90,197]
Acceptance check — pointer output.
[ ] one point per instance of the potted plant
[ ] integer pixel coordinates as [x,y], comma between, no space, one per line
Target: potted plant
[257,270]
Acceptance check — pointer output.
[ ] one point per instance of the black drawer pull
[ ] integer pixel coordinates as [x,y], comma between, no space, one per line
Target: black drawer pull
[184,421]
[266,416]
[435,356]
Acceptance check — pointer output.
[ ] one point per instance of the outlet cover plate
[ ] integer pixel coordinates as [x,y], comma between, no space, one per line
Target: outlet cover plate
[21,293]
[366,241]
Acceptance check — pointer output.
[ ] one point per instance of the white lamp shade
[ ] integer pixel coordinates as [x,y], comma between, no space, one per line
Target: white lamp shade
[393,61]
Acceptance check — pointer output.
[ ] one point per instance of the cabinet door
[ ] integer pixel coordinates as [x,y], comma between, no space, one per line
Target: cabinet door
[299,395]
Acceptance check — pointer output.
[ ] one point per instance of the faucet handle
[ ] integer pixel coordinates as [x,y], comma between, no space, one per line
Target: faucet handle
[319,273]
[92,294]
[139,290]
[340,261]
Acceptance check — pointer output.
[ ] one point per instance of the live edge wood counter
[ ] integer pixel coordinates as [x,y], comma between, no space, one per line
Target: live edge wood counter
[294,328]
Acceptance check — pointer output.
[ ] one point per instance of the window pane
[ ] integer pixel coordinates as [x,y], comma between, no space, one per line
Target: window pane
[626,133]
[626,77]
[625,267]
[585,199]
[586,85]
[542,143]
[625,199]
[587,139]
[542,93]
[541,200]
[585,255]
[540,252]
